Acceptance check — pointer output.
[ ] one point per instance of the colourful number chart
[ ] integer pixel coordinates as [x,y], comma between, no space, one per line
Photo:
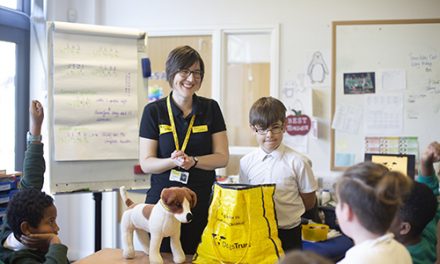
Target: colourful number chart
[392,145]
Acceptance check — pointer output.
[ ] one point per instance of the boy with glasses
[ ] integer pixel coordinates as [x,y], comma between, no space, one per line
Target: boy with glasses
[276,163]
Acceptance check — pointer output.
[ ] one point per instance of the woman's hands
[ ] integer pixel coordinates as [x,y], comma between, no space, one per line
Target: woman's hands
[182,160]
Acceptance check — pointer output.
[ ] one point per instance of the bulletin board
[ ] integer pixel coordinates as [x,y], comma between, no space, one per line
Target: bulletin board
[385,83]
[94,99]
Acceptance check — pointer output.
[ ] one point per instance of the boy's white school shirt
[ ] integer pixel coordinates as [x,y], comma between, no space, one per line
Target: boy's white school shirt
[384,249]
[292,174]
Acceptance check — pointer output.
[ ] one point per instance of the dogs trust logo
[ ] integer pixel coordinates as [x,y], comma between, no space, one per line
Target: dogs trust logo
[218,239]
[221,241]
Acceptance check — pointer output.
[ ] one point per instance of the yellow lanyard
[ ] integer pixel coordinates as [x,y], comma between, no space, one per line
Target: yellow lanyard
[173,127]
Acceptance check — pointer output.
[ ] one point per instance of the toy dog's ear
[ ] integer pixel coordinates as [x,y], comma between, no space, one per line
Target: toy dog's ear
[191,197]
[170,198]
[167,196]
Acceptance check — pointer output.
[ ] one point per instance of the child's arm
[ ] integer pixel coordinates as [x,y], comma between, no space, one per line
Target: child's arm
[427,173]
[307,184]
[40,241]
[429,157]
[438,244]
[34,164]
[56,252]
[309,200]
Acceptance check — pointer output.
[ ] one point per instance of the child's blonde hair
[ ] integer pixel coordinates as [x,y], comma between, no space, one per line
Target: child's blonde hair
[374,193]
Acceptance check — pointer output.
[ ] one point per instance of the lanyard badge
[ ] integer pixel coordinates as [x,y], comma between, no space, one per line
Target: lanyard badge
[176,175]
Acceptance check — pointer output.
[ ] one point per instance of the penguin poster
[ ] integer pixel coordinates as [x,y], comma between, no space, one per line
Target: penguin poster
[317,72]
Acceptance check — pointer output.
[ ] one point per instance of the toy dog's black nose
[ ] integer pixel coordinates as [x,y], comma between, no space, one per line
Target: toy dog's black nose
[189,217]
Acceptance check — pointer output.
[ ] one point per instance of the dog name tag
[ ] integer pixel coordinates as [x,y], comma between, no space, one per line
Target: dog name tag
[179,176]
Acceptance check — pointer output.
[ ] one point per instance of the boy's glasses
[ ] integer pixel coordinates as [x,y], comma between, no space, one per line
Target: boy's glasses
[185,73]
[273,130]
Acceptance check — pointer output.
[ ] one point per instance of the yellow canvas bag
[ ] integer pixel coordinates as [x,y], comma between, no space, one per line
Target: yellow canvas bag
[242,226]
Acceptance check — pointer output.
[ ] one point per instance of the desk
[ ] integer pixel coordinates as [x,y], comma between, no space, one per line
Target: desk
[114,256]
[333,248]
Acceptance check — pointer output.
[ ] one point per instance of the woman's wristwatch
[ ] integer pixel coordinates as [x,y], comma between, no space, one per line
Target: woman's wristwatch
[31,138]
[196,160]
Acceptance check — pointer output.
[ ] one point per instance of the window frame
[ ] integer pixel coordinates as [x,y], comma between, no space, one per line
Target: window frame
[273,31]
[15,27]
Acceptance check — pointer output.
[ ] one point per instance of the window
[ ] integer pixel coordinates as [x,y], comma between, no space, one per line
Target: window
[7,104]
[247,78]
[14,82]
[248,73]
[9,3]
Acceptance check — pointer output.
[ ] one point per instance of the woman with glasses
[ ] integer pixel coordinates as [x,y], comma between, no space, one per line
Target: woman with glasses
[183,140]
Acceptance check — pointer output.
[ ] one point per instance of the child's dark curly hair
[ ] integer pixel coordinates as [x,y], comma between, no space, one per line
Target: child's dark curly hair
[27,205]
[419,208]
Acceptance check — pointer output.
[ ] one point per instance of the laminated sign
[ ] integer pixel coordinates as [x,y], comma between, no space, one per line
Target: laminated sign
[242,226]
[298,124]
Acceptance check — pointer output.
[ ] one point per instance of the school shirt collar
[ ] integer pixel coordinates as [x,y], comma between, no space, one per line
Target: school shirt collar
[277,153]
[195,106]
[13,244]
[386,238]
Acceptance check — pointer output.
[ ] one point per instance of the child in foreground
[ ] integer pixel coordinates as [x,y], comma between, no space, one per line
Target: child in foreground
[369,196]
[30,233]
[416,221]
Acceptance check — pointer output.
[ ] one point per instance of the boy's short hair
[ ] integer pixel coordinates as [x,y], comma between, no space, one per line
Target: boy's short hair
[267,111]
[374,193]
[27,205]
[418,209]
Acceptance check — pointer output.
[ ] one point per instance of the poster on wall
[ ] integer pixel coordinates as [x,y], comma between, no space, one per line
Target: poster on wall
[317,68]
[95,97]
[359,83]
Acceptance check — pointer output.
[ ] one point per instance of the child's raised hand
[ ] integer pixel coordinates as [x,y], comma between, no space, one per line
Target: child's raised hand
[40,241]
[429,156]
[432,153]
[37,115]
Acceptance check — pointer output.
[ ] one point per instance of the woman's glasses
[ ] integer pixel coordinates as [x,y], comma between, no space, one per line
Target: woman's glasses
[185,73]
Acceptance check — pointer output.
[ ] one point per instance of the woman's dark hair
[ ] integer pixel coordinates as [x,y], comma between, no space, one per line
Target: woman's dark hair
[27,205]
[182,58]
[374,193]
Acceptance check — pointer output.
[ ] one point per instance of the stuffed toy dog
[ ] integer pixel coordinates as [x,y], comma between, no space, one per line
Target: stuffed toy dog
[160,220]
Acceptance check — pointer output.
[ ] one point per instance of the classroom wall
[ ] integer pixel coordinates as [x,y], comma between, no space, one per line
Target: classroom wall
[305,25]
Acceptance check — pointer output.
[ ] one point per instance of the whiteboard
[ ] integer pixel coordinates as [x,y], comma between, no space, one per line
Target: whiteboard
[401,60]
[93,107]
